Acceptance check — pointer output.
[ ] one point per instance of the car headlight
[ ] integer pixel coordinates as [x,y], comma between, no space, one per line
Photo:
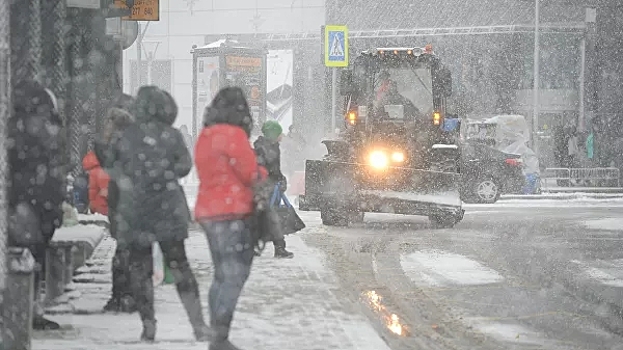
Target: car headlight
[378,159]
[398,157]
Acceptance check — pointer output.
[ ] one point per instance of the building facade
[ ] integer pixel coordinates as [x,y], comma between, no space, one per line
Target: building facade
[489,46]
[166,59]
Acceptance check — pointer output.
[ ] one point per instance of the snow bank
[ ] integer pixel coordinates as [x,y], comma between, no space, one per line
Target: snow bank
[609,224]
[92,217]
[436,268]
[91,234]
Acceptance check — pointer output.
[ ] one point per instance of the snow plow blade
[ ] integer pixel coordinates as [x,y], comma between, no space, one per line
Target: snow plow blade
[359,187]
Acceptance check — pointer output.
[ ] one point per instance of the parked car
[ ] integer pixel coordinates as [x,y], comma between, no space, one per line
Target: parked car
[487,173]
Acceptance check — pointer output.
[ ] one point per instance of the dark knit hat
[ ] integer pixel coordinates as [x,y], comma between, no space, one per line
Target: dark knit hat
[272,130]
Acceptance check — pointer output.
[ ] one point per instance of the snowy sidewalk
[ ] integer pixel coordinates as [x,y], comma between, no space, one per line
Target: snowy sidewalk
[286,304]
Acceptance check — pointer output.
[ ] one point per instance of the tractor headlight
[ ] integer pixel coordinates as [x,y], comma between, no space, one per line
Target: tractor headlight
[398,157]
[378,160]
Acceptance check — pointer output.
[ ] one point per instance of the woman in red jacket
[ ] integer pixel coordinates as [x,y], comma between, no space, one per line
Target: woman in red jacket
[98,184]
[227,170]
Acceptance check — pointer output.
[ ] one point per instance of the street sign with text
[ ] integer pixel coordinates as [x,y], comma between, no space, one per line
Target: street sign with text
[143,10]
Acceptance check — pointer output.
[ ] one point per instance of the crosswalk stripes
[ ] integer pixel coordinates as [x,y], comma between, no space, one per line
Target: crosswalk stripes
[477,292]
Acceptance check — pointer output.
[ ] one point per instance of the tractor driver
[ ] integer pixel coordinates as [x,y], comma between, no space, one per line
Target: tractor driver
[388,94]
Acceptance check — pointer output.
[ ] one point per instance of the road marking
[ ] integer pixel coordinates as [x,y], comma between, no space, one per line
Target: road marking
[604,276]
[437,268]
[509,332]
[608,224]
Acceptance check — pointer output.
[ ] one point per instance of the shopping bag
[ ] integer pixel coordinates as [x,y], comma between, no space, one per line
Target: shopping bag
[158,276]
[264,221]
[289,220]
[168,275]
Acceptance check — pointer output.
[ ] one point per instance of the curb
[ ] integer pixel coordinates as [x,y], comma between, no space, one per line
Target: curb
[562,196]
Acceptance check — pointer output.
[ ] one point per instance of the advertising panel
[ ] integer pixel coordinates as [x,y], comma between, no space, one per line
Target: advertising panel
[207,84]
[246,73]
[279,83]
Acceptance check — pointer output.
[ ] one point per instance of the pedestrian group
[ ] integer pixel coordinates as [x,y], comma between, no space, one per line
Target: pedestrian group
[134,173]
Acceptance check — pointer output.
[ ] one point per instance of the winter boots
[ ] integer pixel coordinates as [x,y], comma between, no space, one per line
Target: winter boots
[149,331]
[192,304]
[280,250]
[124,304]
[41,323]
[282,253]
[223,345]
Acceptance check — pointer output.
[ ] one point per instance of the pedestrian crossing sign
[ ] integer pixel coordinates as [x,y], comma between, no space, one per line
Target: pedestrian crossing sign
[336,46]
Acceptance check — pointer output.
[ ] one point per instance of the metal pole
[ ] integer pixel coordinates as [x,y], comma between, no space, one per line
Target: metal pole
[582,121]
[5,113]
[333,99]
[535,89]
[139,59]
[139,54]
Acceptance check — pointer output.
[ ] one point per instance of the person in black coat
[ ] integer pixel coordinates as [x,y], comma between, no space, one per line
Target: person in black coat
[37,182]
[268,155]
[117,120]
[147,162]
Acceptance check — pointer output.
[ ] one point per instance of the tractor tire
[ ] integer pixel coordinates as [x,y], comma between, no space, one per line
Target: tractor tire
[443,221]
[333,217]
[357,218]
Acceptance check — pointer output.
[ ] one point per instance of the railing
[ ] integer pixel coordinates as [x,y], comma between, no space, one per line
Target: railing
[581,177]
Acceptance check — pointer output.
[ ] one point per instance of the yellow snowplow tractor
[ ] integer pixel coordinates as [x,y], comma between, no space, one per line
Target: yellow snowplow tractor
[393,154]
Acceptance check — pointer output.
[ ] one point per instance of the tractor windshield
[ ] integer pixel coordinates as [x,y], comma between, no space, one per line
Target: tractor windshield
[403,92]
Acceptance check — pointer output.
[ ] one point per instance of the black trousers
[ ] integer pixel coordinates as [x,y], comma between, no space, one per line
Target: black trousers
[121,273]
[120,262]
[141,272]
[38,252]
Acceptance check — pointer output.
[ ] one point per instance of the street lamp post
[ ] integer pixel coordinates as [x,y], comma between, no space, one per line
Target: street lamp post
[535,89]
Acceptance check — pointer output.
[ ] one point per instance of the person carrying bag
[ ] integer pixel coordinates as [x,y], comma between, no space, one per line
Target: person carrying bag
[269,155]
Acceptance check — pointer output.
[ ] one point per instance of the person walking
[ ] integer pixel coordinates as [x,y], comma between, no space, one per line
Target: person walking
[268,155]
[37,180]
[228,170]
[148,160]
[117,120]
[573,149]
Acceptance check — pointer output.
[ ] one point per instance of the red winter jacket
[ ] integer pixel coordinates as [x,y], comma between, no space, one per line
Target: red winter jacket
[227,169]
[98,184]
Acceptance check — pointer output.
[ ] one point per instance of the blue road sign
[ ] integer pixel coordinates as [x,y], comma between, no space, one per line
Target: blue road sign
[336,46]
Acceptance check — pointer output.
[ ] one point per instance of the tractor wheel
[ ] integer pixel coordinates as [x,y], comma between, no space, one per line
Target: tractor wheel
[357,217]
[333,217]
[443,221]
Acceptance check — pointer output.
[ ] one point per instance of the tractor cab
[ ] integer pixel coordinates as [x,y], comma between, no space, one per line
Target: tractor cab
[396,86]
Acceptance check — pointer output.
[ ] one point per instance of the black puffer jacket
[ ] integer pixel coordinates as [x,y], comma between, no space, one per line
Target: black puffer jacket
[269,156]
[37,157]
[118,119]
[148,160]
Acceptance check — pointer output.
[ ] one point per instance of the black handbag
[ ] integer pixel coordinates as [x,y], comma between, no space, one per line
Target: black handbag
[289,220]
[264,223]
